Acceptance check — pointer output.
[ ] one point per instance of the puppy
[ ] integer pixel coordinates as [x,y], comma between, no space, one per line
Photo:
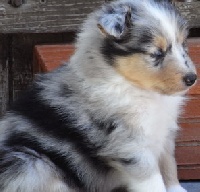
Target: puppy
[107,120]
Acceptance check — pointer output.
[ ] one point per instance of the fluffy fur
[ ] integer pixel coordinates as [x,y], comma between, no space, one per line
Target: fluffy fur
[107,120]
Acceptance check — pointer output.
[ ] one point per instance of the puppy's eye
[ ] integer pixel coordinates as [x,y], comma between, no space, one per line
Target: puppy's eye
[158,57]
[159,54]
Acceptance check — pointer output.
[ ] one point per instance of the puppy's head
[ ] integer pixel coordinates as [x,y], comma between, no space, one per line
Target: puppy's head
[145,41]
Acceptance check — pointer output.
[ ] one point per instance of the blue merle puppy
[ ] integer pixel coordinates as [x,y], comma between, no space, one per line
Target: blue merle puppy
[105,121]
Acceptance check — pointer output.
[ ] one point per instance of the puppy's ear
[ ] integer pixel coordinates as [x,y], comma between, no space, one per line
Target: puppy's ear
[115,21]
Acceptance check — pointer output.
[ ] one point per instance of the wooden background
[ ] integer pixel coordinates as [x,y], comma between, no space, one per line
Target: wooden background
[46,22]
[38,22]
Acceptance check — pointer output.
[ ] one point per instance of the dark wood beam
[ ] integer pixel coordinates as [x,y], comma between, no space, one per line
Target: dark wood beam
[42,16]
[191,11]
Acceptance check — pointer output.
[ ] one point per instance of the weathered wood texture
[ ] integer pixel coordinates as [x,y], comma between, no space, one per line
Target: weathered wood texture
[16,62]
[22,56]
[45,16]
[40,16]
[191,11]
[3,73]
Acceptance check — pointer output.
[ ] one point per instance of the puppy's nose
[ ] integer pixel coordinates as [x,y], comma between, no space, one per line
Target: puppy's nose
[190,79]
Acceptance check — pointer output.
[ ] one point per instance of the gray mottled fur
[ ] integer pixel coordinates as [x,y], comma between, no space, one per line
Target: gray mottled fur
[89,90]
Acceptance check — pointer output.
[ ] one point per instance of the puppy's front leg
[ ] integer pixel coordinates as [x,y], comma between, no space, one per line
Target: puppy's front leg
[169,170]
[153,183]
[144,175]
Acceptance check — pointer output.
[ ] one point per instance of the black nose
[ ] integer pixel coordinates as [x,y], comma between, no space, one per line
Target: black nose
[190,79]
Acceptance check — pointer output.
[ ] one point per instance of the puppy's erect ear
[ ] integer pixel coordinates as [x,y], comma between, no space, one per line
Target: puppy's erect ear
[115,21]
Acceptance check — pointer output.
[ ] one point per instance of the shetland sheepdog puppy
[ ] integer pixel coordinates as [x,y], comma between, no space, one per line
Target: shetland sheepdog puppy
[106,121]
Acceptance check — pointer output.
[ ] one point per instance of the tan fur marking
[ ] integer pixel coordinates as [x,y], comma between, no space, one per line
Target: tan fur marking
[103,31]
[136,68]
[161,42]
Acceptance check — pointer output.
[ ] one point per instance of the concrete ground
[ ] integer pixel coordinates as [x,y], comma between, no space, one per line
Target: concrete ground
[191,186]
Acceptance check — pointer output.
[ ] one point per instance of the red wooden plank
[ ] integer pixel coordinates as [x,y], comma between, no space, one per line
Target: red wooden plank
[194,52]
[49,57]
[188,173]
[189,133]
[192,108]
[188,156]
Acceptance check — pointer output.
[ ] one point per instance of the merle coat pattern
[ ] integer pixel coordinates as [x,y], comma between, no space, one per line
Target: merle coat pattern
[106,120]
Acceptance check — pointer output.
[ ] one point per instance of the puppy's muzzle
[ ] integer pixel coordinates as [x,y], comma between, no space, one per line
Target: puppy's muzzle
[189,79]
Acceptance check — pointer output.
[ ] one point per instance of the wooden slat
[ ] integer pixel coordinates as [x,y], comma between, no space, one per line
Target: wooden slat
[194,52]
[3,73]
[188,161]
[45,16]
[192,108]
[40,16]
[189,133]
[188,156]
[189,173]
[191,11]
[50,56]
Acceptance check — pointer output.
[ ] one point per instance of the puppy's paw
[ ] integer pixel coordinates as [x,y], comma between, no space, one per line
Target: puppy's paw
[176,188]
[152,184]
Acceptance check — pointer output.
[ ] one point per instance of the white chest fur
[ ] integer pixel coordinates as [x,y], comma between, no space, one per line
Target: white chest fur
[157,117]
[145,119]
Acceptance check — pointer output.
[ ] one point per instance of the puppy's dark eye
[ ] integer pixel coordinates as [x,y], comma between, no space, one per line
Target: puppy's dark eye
[158,57]
[159,54]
